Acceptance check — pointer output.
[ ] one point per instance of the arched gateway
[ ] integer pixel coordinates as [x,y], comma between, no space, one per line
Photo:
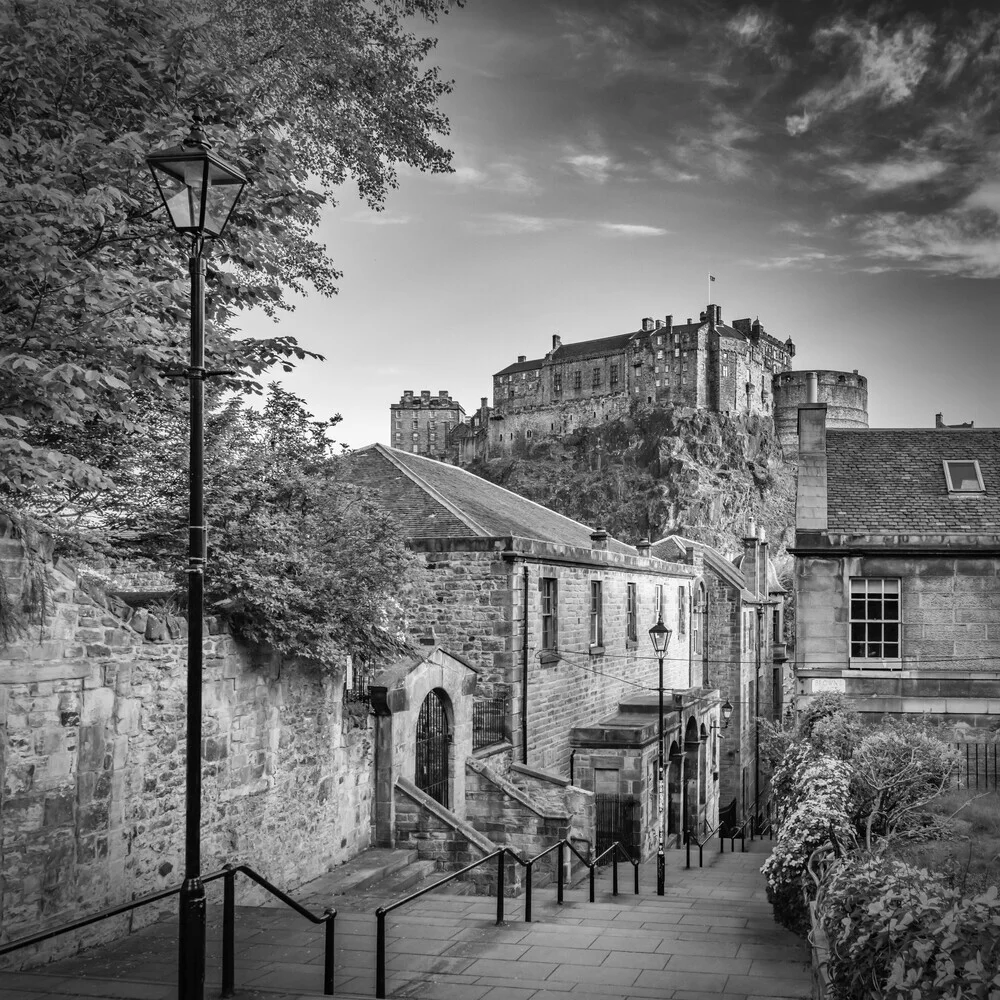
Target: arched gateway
[433,746]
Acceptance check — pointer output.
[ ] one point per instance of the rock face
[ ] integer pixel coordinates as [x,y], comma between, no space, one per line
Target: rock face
[661,471]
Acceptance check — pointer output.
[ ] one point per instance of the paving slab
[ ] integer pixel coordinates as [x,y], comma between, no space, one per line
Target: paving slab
[709,935]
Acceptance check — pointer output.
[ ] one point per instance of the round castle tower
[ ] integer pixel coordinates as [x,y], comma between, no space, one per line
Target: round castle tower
[845,395]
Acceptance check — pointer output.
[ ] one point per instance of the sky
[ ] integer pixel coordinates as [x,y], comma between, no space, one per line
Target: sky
[835,166]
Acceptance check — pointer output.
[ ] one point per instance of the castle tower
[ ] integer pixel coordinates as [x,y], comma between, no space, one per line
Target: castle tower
[845,395]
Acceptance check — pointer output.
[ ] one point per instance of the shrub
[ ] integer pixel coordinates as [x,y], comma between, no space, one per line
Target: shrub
[818,816]
[897,933]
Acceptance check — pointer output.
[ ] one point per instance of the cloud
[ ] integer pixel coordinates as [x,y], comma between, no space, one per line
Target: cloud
[630,229]
[506,176]
[893,174]
[881,66]
[379,219]
[959,242]
[590,166]
[987,196]
[803,259]
[508,224]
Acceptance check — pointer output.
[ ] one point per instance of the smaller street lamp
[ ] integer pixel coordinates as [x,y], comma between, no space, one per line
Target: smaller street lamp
[727,712]
[199,191]
[659,634]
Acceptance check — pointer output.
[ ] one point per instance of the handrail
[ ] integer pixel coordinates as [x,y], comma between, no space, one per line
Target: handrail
[500,853]
[752,819]
[709,834]
[228,873]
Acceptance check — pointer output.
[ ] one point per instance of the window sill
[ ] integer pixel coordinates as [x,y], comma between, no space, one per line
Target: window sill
[631,643]
[863,663]
[548,656]
[596,650]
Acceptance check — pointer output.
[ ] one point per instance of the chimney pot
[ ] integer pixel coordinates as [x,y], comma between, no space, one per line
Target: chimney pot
[669,321]
[812,387]
[644,546]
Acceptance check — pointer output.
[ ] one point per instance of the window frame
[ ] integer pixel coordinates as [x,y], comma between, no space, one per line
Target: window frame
[596,614]
[681,609]
[631,613]
[658,601]
[954,490]
[549,587]
[866,659]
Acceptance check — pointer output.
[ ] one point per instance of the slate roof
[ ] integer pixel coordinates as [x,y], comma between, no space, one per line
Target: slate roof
[891,481]
[431,499]
[520,366]
[586,348]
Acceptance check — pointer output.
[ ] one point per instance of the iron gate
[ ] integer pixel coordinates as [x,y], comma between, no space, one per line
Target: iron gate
[433,741]
[618,818]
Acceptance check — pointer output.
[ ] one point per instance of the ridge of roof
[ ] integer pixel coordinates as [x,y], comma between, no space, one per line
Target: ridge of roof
[431,491]
[392,453]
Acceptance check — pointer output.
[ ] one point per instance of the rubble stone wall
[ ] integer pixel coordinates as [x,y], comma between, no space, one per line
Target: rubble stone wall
[92,751]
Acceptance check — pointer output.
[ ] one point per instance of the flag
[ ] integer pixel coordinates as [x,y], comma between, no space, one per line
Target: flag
[711,277]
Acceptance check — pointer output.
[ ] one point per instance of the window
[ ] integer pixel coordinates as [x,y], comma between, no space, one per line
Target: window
[597,377]
[557,382]
[416,436]
[681,610]
[658,601]
[725,371]
[631,618]
[874,619]
[577,380]
[614,375]
[549,612]
[963,477]
[596,614]
[416,423]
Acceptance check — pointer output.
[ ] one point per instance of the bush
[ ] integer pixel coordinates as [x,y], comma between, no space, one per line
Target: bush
[818,817]
[897,933]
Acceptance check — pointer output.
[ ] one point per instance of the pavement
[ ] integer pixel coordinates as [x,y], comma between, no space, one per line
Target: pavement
[710,935]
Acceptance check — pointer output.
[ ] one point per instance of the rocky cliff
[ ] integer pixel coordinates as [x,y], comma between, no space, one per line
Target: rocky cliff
[661,471]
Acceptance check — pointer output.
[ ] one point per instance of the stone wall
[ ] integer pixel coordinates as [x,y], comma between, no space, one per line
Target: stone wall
[92,796]
[949,606]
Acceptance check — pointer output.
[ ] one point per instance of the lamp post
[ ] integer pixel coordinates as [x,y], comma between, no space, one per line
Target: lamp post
[756,723]
[660,636]
[199,191]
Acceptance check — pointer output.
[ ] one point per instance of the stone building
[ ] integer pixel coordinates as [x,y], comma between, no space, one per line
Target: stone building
[423,424]
[736,638]
[897,579]
[845,395]
[554,616]
[706,365]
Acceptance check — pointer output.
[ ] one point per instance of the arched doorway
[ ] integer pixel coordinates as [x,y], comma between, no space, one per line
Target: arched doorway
[675,767]
[692,746]
[433,748]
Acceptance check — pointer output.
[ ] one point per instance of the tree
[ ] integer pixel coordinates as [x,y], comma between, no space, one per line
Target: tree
[300,94]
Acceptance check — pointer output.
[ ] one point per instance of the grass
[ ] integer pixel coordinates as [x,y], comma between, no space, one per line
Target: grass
[967,850]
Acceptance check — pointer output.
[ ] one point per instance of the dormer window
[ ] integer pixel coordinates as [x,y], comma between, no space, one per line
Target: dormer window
[963,476]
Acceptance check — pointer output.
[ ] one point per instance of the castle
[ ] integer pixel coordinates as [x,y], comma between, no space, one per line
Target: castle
[735,368]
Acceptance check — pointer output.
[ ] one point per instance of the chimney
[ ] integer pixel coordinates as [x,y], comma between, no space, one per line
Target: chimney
[482,402]
[812,387]
[442,393]
[599,537]
[669,321]
[425,394]
[647,324]
[750,563]
[556,341]
[762,561]
[522,357]
[644,546]
[939,420]
[810,494]
[790,347]
[659,324]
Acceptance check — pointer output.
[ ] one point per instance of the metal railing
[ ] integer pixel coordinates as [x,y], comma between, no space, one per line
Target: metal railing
[709,834]
[761,821]
[499,855]
[228,873]
[978,765]
[489,721]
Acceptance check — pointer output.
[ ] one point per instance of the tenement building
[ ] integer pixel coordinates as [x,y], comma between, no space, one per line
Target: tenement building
[710,365]
[422,423]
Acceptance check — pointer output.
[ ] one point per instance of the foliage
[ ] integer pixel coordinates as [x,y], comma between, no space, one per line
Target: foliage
[817,816]
[898,769]
[93,286]
[897,933]
[298,559]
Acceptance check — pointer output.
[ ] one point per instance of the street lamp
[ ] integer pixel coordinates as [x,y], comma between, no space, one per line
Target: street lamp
[727,712]
[199,191]
[660,636]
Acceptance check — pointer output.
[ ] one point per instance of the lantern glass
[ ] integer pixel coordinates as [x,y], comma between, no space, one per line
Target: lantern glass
[727,711]
[660,636]
[199,190]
